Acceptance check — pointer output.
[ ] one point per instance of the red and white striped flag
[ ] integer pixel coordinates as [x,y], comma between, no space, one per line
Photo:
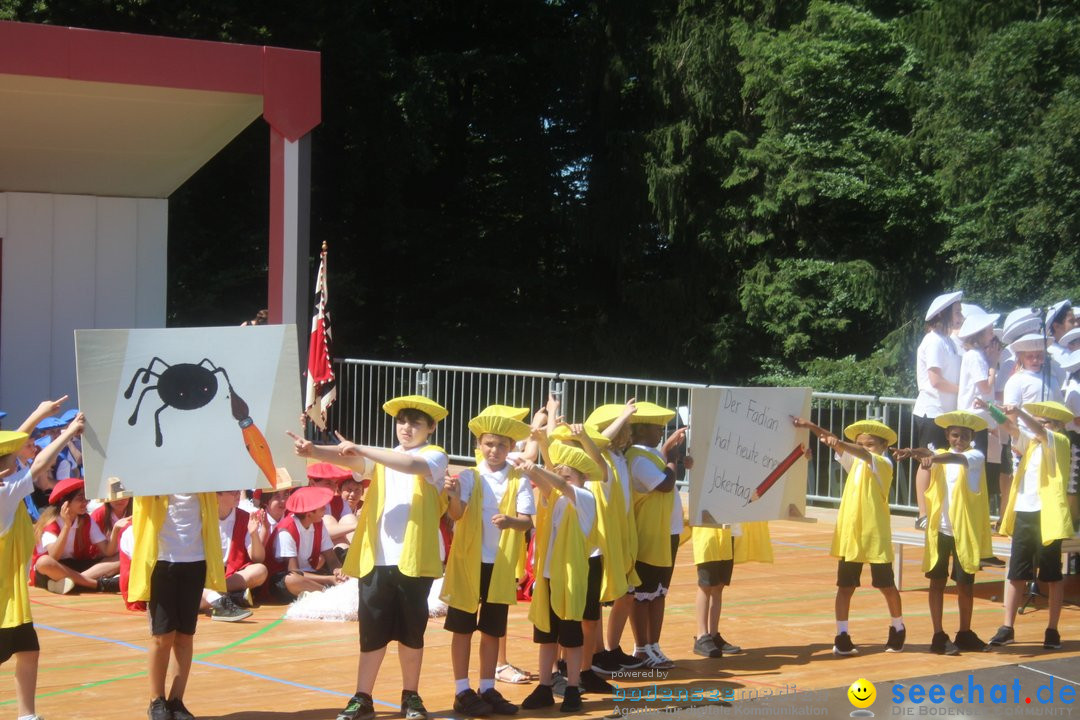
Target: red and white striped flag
[321,386]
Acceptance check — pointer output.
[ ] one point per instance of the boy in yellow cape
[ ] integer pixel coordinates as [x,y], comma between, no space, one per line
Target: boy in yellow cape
[863,531]
[562,549]
[1037,514]
[17,635]
[395,550]
[659,519]
[958,525]
[492,508]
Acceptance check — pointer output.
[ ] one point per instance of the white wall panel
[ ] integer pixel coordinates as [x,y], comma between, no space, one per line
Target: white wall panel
[74,283]
[152,263]
[117,237]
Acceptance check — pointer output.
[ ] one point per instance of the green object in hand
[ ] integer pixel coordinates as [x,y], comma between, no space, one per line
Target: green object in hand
[995,412]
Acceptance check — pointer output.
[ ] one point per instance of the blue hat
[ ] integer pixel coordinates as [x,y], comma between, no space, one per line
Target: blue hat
[2,414]
[68,416]
[43,442]
[49,423]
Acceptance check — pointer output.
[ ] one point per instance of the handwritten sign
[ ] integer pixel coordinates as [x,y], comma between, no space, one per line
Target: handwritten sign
[748,462]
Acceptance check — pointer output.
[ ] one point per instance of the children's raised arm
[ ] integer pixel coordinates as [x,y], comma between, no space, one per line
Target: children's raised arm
[46,408]
[624,417]
[46,457]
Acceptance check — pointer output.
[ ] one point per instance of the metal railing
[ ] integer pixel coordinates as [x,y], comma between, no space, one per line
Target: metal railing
[364,385]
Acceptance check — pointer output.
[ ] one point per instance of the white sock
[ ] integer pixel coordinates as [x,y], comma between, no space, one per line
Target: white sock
[487,684]
[462,685]
[27,717]
[639,650]
[210,596]
[841,627]
[655,647]
[898,623]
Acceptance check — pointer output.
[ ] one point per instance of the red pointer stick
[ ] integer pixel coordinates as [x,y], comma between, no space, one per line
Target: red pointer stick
[776,474]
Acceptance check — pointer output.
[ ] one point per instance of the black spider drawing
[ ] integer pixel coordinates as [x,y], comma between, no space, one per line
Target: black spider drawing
[183,386]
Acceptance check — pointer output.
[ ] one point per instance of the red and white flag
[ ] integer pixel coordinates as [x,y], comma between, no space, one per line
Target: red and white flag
[321,386]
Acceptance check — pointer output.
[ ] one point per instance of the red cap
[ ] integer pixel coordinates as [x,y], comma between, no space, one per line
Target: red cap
[65,487]
[328,471]
[306,499]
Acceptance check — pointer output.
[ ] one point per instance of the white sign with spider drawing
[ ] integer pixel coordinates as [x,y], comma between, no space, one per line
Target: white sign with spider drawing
[188,409]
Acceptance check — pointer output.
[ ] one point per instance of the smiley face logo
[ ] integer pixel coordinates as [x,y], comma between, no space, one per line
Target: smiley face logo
[862,693]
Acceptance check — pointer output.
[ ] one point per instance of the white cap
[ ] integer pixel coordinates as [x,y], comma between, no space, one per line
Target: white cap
[1032,342]
[943,301]
[1056,309]
[974,324]
[1021,322]
[1069,337]
[967,310]
[1070,362]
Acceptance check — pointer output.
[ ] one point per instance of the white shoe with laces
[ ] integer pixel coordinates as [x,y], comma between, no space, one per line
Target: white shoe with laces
[660,660]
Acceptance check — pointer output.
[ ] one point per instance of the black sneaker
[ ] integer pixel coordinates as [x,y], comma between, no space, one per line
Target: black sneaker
[590,682]
[967,640]
[942,645]
[178,711]
[412,707]
[1052,639]
[1003,636]
[540,697]
[499,704]
[605,663]
[360,707]
[920,523]
[705,646]
[243,599]
[109,584]
[627,662]
[895,643]
[571,701]
[992,562]
[469,703]
[225,610]
[842,645]
[724,645]
[158,710]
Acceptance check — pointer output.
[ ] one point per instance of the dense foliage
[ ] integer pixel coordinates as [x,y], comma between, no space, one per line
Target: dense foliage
[723,190]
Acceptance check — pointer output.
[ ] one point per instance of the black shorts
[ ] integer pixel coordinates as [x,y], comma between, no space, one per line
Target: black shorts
[1027,547]
[280,592]
[175,593]
[655,581]
[21,638]
[393,606]
[567,633]
[42,581]
[848,574]
[714,572]
[928,433]
[946,548]
[492,616]
[592,589]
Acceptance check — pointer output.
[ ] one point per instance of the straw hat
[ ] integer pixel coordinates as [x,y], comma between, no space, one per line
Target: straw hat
[563,454]
[961,418]
[870,427]
[416,402]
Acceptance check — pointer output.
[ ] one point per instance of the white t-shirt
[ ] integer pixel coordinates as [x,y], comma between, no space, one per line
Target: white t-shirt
[586,515]
[397,501]
[975,463]
[1072,401]
[1006,366]
[935,351]
[619,461]
[1054,355]
[1027,495]
[225,529]
[881,467]
[48,538]
[1025,386]
[646,476]
[180,539]
[494,489]
[14,489]
[284,546]
[974,369]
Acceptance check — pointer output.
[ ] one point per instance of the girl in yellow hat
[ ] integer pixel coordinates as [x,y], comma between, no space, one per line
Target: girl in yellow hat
[863,531]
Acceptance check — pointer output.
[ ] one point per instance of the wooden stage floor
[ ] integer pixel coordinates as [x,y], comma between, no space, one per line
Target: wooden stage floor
[93,651]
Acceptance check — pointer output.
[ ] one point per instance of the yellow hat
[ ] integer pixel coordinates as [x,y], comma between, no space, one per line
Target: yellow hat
[416,402]
[870,427]
[961,418]
[10,441]
[1050,410]
[506,411]
[604,415]
[498,424]
[570,456]
[562,433]
[651,414]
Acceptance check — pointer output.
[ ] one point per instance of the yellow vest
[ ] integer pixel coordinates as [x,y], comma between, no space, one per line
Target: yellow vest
[538,606]
[620,490]
[752,545]
[652,514]
[420,552]
[147,518]
[964,514]
[610,526]
[569,570]
[16,547]
[755,544]
[711,544]
[863,530]
[1055,522]
[461,587]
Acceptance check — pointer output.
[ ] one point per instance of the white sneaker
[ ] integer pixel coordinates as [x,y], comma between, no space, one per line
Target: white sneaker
[660,660]
[61,587]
